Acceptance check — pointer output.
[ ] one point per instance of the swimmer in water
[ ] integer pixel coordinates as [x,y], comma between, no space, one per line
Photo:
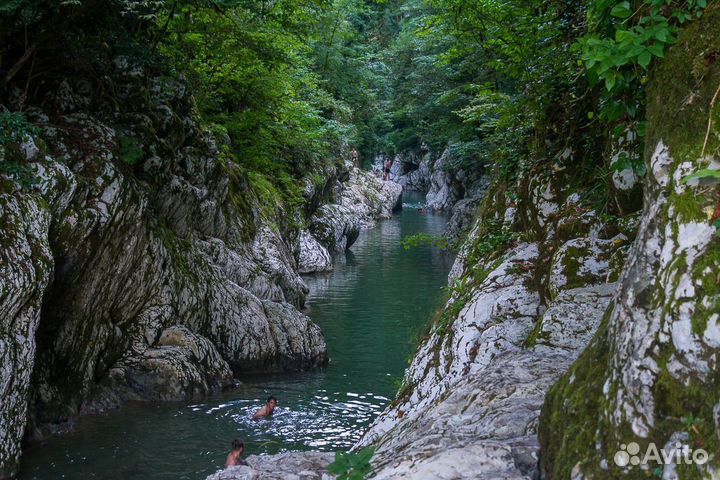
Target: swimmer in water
[234,458]
[267,410]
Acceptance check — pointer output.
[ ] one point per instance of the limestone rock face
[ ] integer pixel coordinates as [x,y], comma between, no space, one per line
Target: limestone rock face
[313,256]
[418,179]
[653,364]
[443,192]
[463,215]
[363,200]
[283,466]
[336,227]
[582,261]
[238,293]
[473,394]
[158,280]
[572,318]
[447,186]
[26,265]
[280,281]
[411,170]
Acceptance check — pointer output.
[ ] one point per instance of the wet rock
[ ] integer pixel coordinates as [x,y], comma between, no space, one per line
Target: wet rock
[313,256]
[283,466]
[181,366]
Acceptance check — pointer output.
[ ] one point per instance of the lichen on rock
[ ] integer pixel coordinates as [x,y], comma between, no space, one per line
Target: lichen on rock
[652,365]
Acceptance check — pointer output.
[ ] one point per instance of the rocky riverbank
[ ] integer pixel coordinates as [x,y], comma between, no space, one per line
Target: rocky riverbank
[447,185]
[283,466]
[137,263]
[359,201]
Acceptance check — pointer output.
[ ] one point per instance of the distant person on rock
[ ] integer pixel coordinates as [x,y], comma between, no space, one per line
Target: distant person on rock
[267,410]
[234,458]
[355,156]
[388,166]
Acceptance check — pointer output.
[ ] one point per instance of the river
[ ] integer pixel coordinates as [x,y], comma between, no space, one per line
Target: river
[372,308]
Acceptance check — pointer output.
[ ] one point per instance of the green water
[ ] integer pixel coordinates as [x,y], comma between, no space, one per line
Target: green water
[370,308]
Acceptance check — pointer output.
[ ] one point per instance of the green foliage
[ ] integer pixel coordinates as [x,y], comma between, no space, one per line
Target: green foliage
[251,72]
[418,239]
[495,239]
[703,177]
[131,151]
[14,127]
[478,76]
[623,40]
[352,465]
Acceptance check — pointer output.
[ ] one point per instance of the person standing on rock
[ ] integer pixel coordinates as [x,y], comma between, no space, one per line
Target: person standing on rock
[234,458]
[266,410]
[355,156]
[388,166]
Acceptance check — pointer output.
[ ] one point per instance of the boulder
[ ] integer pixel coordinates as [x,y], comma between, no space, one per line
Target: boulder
[313,256]
[336,227]
[182,366]
[283,466]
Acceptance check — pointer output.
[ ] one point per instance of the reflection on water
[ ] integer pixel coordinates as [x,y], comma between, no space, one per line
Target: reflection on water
[370,309]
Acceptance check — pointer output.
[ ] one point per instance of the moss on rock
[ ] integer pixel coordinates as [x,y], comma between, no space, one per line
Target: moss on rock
[650,374]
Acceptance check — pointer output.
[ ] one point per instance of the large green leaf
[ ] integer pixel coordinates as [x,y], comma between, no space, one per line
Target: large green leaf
[703,177]
[621,10]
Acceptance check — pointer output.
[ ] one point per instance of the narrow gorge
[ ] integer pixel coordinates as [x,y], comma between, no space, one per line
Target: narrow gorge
[516,204]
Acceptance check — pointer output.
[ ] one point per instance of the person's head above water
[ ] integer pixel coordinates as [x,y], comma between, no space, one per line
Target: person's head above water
[238,444]
[267,409]
[234,458]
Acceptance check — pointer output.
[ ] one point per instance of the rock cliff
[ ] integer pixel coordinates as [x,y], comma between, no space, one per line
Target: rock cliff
[359,202]
[447,186]
[650,375]
[138,264]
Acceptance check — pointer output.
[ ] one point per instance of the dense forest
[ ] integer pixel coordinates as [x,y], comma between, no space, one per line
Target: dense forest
[293,83]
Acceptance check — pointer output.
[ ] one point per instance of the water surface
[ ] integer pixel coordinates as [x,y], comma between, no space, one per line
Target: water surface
[371,308]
